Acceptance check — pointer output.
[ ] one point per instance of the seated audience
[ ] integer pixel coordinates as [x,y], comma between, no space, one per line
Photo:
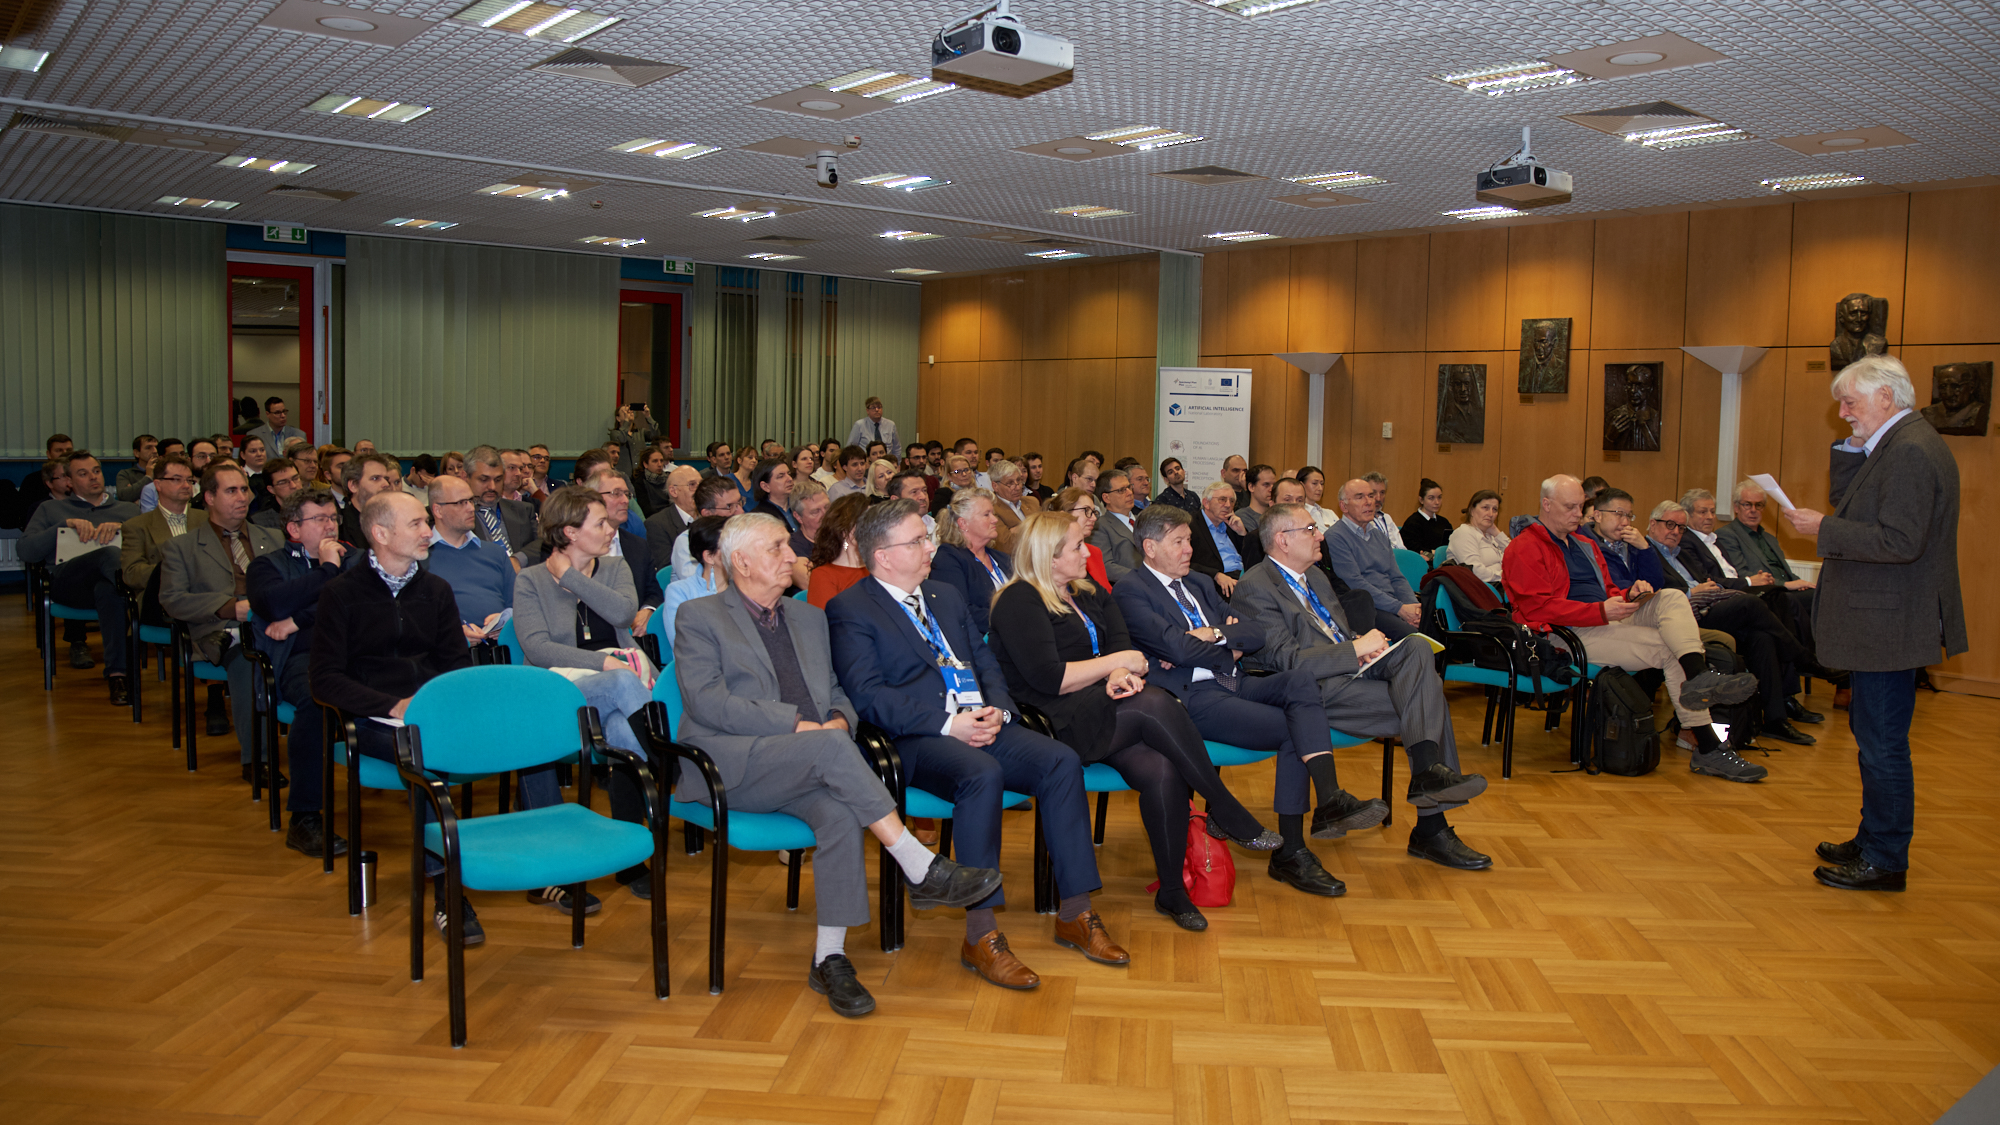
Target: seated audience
[1382,522]
[145,537]
[779,728]
[740,474]
[670,519]
[1425,531]
[713,496]
[1112,535]
[836,564]
[704,537]
[626,545]
[1259,480]
[829,470]
[1478,542]
[453,464]
[36,489]
[1010,499]
[1142,482]
[1174,475]
[283,482]
[1236,474]
[365,476]
[1367,685]
[204,583]
[1080,505]
[145,449]
[1223,546]
[1036,487]
[538,472]
[508,523]
[771,484]
[1177,618]
[880,471]
[1556,577]
[1313,481]
[332,468]
[649,483]
[200,453]
[1752,550]
[808,506]
[853,473]
[479,572]
[1082,473]
[969,558]
[944,702]
[1365,560]
[276,429]
[89,579]
[423,470]
[958,473]
[255,459]
[804,461]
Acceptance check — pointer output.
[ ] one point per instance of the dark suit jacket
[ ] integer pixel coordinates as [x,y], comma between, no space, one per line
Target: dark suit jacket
[519,520]
[888,667]
[1702,562]
[285,584]
[662,528]
[1207,559]
[1744,549]
[1888,590]
[956,567]
[1291,638]
[1159,628]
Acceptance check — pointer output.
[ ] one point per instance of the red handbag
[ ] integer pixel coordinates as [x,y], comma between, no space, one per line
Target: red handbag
[1209,871]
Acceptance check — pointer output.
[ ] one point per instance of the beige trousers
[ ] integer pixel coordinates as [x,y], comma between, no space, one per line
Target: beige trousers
[1655,637]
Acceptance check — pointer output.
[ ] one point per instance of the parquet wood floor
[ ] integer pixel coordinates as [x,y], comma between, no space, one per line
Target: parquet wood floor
[1647,950]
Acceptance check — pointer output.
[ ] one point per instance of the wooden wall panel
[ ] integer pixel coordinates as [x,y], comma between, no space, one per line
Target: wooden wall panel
[1137,385]
[1639,282]
[1468,291]
[1277,403]
[931,393]
[1388,387]
[1045,315]
[1739,272]
[1649,477]
[1539,438]
[957,388]
[1321,317]
[958,324]
[1002,314]
[1139,307]
[1811,425]
[1548,274]
[997,410]
[1091,390]
[1047,410]
[1952,294]
[1093,312]
[1462,469]
[1391,291]
[1701,406]
[1978,538]
[1842,246]
[1336,422]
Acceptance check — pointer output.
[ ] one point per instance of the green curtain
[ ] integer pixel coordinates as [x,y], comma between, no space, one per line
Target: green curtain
[450,346]
[1180,310]
[110,326]
[875,353]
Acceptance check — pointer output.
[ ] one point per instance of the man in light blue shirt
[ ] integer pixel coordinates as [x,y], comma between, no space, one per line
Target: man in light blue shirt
[275,431]
[874,427]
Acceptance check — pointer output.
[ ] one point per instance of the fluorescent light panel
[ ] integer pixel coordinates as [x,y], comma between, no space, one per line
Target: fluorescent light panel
[889,85]
[534,20]
[1513,78]
[738,214]
[1813,182]
[1088,211]
[1689,136]
[1057,255]
[768,256]
[260,164]
[903,181]
[1254,7]
[419,224]
[373,109]
[909,235]
[1474,214]
[666,150]
[1337,179]
[609,240]
[1144,138]
[22,58]
[1242,235]
[525,191]
[912,271]
[188,201]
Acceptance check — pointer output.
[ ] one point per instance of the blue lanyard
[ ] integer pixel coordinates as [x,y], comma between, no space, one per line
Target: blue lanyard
[993,572]
[932,634]
[1313,600]
[1192,620]
[1091,626]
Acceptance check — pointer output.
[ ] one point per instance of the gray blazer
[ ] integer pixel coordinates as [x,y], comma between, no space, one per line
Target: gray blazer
[1740,546]
[545,611]
[1888,589]
[1120,547]
[728,685]
[198,586]
[1292,637]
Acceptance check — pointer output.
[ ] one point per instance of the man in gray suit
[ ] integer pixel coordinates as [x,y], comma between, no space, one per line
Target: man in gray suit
[496,519]
[1888,600]
[756,673]
[204,583]
[1114,528]
[1394,694]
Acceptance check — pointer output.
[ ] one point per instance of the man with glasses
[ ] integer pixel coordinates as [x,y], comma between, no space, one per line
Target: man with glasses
[200,452]
[283,477]
[538,472]
[274,429]
[713,496]
[478,571]
[496,519]
[1113,535]
[284,588]
[517,481]
[1705,549]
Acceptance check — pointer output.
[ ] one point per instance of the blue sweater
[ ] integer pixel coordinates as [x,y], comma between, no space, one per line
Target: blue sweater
[480,574]
[1368,564]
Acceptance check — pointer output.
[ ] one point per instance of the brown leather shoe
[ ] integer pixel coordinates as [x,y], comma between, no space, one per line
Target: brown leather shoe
[991,959]
[1086,935]
[926,830]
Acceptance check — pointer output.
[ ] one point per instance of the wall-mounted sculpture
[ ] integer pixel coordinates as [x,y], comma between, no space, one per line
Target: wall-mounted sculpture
[1545,356]
[1632,406]
[1461,403]
[1860,327]
[1961,398]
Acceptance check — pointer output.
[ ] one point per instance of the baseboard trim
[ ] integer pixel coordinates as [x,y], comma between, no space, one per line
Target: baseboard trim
[1965,685]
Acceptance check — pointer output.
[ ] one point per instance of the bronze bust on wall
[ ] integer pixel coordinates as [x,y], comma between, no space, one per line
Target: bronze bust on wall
[1632,406]
[1545,356]
[1860,326]
[1961,398]
[1461,403]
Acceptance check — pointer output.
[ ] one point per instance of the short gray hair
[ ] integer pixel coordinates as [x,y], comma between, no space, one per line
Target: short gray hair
[1665,507]
[1002,472]
[1157,520]
[1746,485]
[1375,478]
[805,489]
[872,530]
[1294,515]
[742,528]
[1872,373]
[1689,497]
[483,455]
[1215,487]
[1550,485]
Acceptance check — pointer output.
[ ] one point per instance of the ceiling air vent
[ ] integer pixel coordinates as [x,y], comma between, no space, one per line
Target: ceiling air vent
[599,66]
[36,123]
[1208,175]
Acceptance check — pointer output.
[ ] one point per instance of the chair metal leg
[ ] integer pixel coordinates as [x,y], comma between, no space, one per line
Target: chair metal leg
[662,979]
[1492,701]
[169,656]
[1045,892]
[354,837]
[576,914]
[48,648]
[1389,780]
[692,835]
[325,789]
[944,837]
[447,894]
[1103,811]
[792,879]
[718,911]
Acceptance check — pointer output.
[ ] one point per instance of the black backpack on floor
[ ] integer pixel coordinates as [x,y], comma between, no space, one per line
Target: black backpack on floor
[1623,737]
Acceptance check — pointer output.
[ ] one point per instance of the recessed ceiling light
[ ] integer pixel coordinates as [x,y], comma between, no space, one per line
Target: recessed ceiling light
[1636,58]
[1474,214]
[1513,78]
[1651,55]
[908,235]
[1242,235]
[608,240]
[535,20]
[1688,136]
[738,214]
[374,109]
[1321,199]
[912,271]
[22,58]
[335,22]
[1145,138]
[1814,182]
[1846,140]
[768,256]
[1254,7]
[1338,180]
[259,164]
[783,240]
[1089,211]
[902,181]
[1057,255]
[420,224]
[525,191]
[888,85]
[666,150]
[187,201]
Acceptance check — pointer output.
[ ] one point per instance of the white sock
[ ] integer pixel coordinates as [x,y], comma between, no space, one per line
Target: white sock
[832,940]
[912,856]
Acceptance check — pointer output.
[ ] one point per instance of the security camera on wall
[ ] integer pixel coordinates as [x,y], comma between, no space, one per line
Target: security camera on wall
[1521,181]
[993,51]
[825,169]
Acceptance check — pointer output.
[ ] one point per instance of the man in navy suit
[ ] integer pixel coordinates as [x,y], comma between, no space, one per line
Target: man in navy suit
[912,665]
[284,588]
[1177,618]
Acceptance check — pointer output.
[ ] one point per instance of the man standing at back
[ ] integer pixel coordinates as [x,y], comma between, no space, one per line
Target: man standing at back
[87,580]
[873,427]
[274,430]
[1889,599]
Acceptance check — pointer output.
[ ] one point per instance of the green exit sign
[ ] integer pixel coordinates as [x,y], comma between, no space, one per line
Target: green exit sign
[678,267]
[285,232]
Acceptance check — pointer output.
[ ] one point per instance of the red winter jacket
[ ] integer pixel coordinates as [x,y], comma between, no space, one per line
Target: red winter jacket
[1537,581]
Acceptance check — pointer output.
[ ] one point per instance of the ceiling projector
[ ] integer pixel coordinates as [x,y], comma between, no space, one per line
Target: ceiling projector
[1521,181]
[991,50]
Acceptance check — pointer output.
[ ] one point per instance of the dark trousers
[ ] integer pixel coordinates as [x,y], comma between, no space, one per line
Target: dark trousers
[1768,647]
[1879,715]
[89,582]
[1281,712]
[1392,625]
[971,778]
[538,787]
[303,741]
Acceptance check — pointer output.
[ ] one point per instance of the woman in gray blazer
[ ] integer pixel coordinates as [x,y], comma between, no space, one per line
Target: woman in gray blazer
[568,610]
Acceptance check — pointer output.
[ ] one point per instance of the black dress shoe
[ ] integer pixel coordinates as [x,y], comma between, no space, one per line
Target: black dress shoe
[308,835]
[948,884]
[121,691]
[1438,785]
[1343,813]
[1859,875]
[834,979]
[1784,731]
[1303,871]
[1446,848]
[641,888]
[218,725]
[249,774]
[1796,712]
[79,655]
[1189,919]
[1840,855]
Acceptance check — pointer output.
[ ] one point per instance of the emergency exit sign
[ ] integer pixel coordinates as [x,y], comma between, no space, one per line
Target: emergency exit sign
[285,232]
[677,267]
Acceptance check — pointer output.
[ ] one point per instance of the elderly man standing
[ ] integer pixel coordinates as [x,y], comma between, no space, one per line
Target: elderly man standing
[756,672]
[1888,600]
[1365,559]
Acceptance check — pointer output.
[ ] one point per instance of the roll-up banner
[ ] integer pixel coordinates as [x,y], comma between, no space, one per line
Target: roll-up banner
[1204,417]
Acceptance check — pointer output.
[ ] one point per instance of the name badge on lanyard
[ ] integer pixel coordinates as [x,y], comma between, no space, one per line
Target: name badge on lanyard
[961,687]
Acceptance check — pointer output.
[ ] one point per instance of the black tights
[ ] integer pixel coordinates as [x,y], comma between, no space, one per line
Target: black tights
[1161,756]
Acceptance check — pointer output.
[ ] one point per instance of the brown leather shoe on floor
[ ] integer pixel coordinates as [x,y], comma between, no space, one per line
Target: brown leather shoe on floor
[926,830]
[991,959]
[1841,696]
[1086,935]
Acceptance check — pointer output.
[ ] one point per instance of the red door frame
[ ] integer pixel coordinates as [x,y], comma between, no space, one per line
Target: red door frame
[650,297]
[302,406]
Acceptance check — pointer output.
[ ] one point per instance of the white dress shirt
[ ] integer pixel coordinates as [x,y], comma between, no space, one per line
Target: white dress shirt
[897,594]
[1198,674]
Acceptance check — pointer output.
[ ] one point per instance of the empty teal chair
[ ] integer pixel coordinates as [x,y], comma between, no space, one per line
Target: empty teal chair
[498,719]
[512,644]
[1413,567]
[193,671]
[1504,688]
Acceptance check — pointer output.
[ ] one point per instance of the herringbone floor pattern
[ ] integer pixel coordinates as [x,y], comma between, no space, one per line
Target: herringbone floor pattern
[1647,950]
